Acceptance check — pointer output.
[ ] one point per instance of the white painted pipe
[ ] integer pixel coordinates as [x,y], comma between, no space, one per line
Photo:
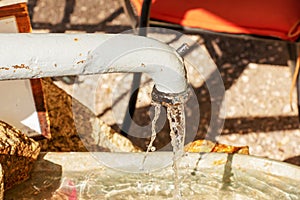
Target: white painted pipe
[24,56]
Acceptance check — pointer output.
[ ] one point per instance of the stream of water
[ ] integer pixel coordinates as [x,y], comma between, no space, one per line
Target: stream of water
[176,119]
[150,147]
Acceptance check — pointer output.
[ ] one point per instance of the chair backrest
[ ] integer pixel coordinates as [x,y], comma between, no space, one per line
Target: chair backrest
[276,18]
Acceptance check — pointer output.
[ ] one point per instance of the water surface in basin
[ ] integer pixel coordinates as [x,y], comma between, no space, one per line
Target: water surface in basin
[221,180]
[78,176]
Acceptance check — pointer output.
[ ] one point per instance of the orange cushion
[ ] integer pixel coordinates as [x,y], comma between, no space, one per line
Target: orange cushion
[276,18]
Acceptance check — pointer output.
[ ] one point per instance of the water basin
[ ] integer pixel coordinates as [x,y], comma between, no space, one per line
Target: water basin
[203,176]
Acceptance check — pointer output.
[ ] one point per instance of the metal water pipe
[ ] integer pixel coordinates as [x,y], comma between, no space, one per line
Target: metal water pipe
[27,56]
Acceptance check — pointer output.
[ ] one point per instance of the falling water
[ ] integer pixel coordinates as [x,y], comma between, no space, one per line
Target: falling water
[150,147]
[176,119]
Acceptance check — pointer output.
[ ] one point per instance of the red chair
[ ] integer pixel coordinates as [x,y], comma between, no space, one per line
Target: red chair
[277,19]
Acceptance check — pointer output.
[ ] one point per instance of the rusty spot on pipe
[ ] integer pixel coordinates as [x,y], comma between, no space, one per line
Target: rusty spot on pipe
[81,61]
[143,65]
[4,68]
[22,66]
[76,39]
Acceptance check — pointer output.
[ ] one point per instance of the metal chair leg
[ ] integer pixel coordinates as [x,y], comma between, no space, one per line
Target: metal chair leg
[292,50]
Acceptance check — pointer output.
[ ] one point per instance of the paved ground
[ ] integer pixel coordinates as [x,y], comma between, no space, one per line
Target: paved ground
[254,72]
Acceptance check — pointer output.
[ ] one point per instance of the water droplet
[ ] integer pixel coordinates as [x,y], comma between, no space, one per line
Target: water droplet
[152,148]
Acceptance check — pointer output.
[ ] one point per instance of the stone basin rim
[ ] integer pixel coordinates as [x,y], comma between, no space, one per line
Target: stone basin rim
[87,161]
